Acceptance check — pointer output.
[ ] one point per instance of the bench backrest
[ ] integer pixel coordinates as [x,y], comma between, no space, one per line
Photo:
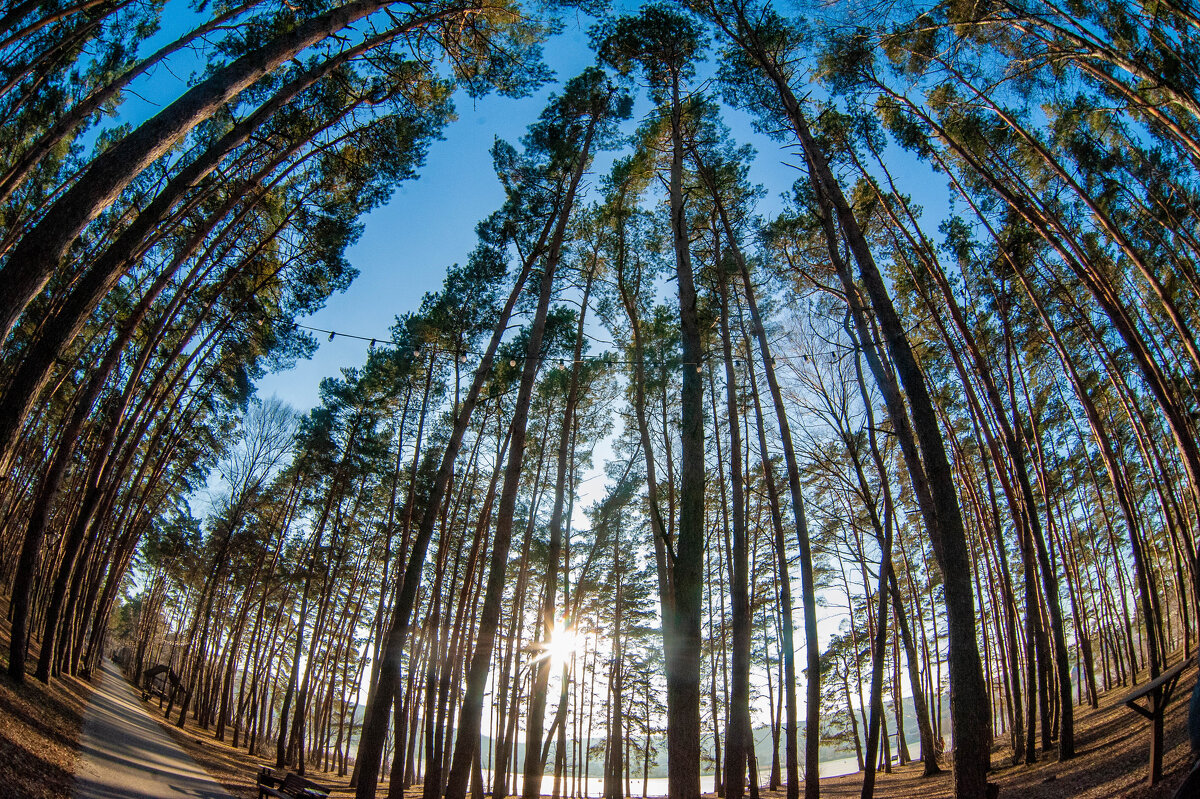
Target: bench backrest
[295,785]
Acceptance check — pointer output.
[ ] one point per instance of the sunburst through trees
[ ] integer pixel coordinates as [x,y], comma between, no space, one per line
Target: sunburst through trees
[671,479]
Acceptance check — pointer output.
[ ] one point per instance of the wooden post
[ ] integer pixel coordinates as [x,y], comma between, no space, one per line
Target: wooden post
[1157,694]
[1158,708]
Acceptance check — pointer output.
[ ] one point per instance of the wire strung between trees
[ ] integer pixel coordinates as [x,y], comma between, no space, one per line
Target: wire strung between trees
[463,355]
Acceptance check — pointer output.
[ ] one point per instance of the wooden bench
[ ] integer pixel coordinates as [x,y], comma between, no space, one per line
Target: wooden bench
[291,786]
[1157,694]
[267,778]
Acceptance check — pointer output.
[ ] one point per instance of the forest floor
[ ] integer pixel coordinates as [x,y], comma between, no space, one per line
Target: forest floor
[39,731]
[40,727]
[1112,746]
[1112,761]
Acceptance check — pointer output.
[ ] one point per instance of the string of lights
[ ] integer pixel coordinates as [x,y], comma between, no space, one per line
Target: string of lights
[464,355]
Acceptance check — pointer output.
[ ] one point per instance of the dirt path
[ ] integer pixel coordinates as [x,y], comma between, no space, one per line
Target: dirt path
[125,754]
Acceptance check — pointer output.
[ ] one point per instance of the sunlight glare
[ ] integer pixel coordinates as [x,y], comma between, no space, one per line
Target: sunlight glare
[562,644]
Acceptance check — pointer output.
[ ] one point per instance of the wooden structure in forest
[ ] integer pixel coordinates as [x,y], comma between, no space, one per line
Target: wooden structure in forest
[1157,693]
[150,675]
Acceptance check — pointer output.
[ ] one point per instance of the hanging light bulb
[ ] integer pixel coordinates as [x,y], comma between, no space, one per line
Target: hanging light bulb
[512,361]
[331,335]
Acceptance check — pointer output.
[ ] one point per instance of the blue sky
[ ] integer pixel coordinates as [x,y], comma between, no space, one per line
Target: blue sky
[429,223]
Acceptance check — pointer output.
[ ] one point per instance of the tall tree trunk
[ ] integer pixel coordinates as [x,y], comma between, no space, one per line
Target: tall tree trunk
[812,736]
[489,617]
[738,732]
[683,645]
[32,261]
[375,721]
[534,764]
[787,642]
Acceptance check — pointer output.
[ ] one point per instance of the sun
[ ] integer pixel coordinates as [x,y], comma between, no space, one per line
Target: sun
[561,644]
